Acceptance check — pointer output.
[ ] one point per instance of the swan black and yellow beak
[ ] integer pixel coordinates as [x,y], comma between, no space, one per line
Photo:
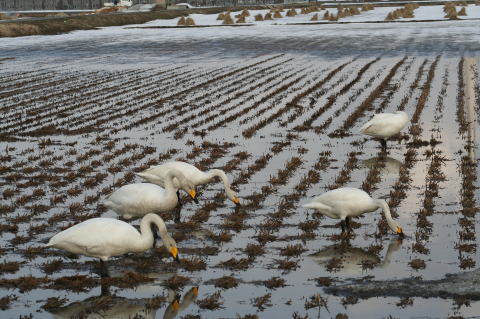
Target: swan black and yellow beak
[195,291]
[174,252]
[399,231]
[175,305]
[192,193]
[236,200]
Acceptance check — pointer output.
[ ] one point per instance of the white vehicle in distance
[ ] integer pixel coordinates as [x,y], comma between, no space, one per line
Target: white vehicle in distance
[118,3]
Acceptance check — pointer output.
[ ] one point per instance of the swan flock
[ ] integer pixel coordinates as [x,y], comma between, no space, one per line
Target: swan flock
[104,238]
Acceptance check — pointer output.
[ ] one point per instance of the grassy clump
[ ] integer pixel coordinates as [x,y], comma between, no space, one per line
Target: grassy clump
[228,19]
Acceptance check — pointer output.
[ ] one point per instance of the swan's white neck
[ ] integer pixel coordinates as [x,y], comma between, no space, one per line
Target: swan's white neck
[218,172]
[170,189]
[386,211]
[146,234]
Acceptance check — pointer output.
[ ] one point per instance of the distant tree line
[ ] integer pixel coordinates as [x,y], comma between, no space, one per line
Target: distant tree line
[12,5]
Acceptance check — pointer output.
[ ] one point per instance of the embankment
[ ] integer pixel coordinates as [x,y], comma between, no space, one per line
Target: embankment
[57,25]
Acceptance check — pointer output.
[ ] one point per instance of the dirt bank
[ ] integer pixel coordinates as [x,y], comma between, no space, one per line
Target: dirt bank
[57,25]
[452,286]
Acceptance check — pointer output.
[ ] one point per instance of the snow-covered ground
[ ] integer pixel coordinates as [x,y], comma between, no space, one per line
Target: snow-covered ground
[133,45]
[378,14]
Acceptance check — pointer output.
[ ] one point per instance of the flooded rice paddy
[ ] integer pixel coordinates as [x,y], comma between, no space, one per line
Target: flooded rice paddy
[279,113]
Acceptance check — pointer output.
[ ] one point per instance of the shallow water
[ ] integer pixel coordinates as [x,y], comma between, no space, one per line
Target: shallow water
[104,89]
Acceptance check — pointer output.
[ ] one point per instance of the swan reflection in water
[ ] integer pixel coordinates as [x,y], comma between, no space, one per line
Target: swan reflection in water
[106,307]
[176,306]
[110,307]
[353,259]
[391,169]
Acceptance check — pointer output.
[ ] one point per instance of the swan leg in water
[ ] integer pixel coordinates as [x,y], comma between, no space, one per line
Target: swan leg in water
[384,144]
[104,289]
[102,269]
[178,214]
[345,225]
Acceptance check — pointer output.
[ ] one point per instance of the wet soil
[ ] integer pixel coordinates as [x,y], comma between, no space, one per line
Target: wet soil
[453,286]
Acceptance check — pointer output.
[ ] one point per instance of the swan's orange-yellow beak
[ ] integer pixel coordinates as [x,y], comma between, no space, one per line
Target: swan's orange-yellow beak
[192,193]
[174,252]
[175,305]
[399,230]
[236,200]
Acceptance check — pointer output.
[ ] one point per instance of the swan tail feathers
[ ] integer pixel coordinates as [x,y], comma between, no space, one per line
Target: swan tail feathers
[151,178]
[51,242]
[107,202]
[365,127]
[142,175]
[317,205]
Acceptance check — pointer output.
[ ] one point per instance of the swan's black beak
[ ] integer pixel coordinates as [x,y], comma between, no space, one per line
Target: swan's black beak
[196,200]
[177,259]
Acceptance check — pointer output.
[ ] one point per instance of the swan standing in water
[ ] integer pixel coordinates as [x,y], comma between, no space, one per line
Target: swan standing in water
[106,237]
[136,200]
[157,175]
[385,125]
[345,203]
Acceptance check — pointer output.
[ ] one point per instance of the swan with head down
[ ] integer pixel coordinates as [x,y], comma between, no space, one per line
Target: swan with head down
[157,175]
[345,203]
[137,200]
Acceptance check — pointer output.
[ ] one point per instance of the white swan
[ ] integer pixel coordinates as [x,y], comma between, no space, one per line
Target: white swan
[344,203]
[385,125]
[157,175]
[136,200]
[106,237]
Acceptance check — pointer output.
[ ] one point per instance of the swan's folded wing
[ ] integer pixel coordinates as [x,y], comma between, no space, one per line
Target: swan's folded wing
[375,121]
[377,128]
[366,126]
[317,205]
[383,116]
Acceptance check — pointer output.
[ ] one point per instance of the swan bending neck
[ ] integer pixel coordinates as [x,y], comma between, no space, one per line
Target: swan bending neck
[146,231]
[218,172]
[386,211]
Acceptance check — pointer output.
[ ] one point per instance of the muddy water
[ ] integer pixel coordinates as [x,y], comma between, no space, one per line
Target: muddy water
[112,104]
